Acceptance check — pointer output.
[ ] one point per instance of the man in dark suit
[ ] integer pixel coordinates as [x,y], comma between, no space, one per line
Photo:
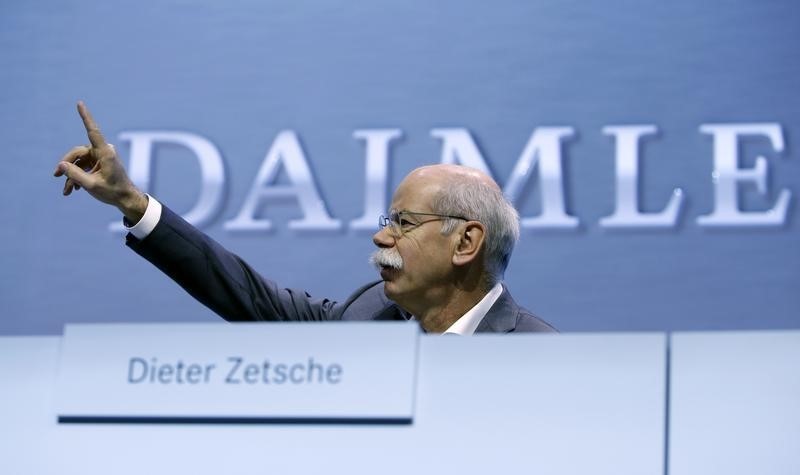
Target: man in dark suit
[442,251]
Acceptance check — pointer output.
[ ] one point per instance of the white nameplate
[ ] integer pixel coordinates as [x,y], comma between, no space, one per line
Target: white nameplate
[343,372]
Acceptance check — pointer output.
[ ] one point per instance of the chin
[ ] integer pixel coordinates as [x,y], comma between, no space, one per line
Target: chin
[388,289]
[391,290]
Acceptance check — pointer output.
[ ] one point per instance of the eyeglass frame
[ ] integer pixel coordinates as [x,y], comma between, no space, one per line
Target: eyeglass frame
[396,228]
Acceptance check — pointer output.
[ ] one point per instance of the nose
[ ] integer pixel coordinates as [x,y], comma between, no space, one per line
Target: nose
[383,238]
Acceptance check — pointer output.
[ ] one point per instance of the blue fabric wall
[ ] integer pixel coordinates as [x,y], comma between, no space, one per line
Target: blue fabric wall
[238,74]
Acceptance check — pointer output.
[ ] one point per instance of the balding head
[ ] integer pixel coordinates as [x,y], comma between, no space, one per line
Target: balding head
[446,173]
[462,191]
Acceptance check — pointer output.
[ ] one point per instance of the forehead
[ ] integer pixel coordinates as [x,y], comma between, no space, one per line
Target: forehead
[416,193]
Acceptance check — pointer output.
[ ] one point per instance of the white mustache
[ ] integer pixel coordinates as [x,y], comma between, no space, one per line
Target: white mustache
[386,258]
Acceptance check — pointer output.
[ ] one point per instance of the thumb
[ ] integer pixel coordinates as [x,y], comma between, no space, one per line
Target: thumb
[75,173]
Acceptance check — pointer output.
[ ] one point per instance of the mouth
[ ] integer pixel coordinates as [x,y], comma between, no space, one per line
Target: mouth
[387,272]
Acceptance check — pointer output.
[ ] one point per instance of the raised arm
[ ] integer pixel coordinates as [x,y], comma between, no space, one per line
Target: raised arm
[217,278]
[96,169]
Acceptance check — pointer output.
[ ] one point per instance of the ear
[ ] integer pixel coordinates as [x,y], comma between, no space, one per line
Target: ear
[470,243]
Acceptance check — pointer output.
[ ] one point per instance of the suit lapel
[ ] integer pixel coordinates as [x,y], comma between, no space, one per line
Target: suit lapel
[502,317]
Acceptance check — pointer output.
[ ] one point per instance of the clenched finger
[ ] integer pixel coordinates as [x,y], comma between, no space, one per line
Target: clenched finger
[77,177]
[92,130]
[68,186]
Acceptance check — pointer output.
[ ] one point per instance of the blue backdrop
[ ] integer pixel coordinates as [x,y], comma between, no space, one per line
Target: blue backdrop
[694,93]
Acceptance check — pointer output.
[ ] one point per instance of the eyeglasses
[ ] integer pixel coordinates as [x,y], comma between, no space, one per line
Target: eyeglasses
[399,223]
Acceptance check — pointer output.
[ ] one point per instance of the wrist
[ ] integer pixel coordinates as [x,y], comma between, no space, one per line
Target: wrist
[133,206]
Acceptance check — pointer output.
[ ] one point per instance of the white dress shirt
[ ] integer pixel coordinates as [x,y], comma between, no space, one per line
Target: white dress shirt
[148,222]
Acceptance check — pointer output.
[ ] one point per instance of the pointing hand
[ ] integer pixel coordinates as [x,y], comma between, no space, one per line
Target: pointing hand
[96,169]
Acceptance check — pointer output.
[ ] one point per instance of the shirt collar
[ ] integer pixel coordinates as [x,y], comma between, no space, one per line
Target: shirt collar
[468,322]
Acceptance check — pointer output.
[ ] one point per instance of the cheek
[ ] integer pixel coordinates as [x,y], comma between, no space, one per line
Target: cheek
[426,254]
[428,261]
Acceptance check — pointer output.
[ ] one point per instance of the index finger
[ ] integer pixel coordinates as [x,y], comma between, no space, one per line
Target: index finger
[92,130]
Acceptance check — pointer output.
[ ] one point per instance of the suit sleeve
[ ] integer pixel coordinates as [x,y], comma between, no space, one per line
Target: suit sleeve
[220,279]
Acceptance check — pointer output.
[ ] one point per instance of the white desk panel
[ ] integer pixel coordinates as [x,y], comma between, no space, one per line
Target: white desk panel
[735,403]
[28,368]
[556,404]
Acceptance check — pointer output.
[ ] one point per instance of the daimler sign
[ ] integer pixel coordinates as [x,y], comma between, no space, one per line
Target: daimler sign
[540,161]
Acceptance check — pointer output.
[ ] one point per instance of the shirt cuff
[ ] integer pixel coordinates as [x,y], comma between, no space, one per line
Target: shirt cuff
[152,215]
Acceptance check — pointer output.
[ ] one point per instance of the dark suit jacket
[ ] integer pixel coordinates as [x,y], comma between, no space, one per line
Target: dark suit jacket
[231,288]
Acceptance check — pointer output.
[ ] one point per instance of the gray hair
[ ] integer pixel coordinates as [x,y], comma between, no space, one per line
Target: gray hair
[482,202]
